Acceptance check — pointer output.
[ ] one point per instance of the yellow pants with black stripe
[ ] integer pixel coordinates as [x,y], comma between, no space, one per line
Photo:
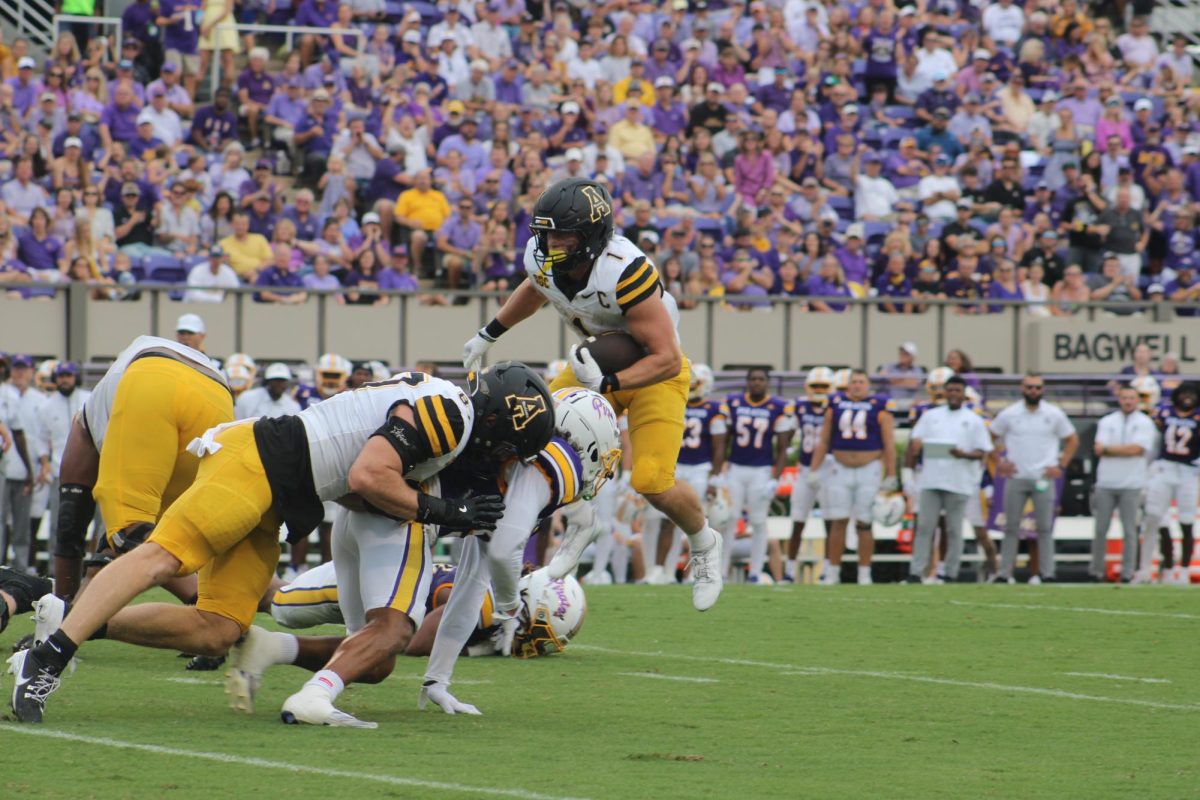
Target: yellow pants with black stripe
[225,527]
[655,426]
[380,563]
[160,406]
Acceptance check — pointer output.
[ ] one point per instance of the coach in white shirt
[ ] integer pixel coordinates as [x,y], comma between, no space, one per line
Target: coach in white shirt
[955,442]
[1039,442]
[1125,440]
[271,399]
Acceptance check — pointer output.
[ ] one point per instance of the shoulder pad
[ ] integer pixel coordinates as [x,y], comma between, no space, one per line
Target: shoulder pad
[638,281]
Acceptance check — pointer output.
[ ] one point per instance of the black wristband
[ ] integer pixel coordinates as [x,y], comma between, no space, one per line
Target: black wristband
[609,383]
[493,330]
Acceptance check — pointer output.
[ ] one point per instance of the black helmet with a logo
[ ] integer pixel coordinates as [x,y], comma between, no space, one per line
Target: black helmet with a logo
[514,413]
[580,205]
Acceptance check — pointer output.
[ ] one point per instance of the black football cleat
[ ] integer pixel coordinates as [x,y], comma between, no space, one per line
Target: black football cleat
[35,681]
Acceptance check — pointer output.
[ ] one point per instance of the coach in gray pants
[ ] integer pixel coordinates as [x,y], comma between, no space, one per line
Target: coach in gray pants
[1039,442]
[955,441]
[1124,442]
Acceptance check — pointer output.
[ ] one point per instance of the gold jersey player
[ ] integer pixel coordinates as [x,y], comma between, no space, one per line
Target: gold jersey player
[598,283]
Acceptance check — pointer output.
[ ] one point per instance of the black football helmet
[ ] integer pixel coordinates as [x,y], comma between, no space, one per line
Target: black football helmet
[573,204]
[1186,395]
[514,414]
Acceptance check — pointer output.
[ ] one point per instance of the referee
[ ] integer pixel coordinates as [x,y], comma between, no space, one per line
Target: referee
[1124,441]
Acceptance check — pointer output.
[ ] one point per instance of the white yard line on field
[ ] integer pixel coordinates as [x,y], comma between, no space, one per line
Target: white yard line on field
[193,681]
[1109,676]
[896,676]
[283,766]
[1115,612]
[661,677]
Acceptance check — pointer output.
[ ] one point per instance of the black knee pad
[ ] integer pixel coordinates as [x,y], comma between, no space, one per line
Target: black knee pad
[76,507]
[131,536]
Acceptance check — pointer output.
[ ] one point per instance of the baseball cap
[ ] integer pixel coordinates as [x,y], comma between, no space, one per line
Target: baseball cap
[1191,150]
[216,251]
[1050,234]
[850,108]
[47,96]
[277,372]
[124,63]
[809,181]
[971,98]
[942,160]
[190,323]
[940,75]
[400,250]
[983,54]
[370,218]
[907,11]
[1155,288]
[67,368]
[650,236]
[714,86]
[570,107]
[22,360]
[320,94]
[72,141]
[412,37]
[130,188]
[455,107]
[480,64]
[855,231]
[941,112]
[574,154]
[965,203]
[1143,104]
[145,118]
[691,44]
[664,81]
[170,66]
[1050,96]
[26,63]
[262,163]
[910,348]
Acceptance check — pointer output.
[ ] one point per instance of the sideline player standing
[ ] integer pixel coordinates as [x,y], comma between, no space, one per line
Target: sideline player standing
[1173,476]
[810,417]
[599,282]
[857,434]
[762,426]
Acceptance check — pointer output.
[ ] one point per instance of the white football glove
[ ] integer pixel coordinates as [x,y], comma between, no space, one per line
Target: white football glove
[891,484]
[507,631]
[439,693]
[475,349]
[586,369]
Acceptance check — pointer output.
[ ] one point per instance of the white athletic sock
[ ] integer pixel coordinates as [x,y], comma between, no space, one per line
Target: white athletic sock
[864,573]
[329,681]
[702,539]
[791,566]
[826,568]
[289,647]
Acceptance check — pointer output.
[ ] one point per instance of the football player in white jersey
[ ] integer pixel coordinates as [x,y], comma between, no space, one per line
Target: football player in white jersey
[601,282]
[573,469]
[362,447]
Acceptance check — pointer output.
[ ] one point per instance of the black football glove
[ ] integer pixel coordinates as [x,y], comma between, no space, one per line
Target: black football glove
[471,513]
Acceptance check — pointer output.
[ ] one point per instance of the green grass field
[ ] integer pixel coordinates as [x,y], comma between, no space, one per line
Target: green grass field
[827,692]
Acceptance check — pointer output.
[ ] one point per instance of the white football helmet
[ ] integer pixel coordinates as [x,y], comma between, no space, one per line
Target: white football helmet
[888,509]
[1149,392]
[44,377]
[719,509]
[240,379]
[935,383]
[841,379]
[332,373]
[554,369]
[702,382]
[242,360]
[551,614]
[379,371]
[819,383]
[588,423]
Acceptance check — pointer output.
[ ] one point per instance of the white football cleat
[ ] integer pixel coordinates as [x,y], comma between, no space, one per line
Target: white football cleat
[706,572]
[575,540]
[48,613]
[1035,580]
[248,660]
[312,706]
[831,578]
[598,578]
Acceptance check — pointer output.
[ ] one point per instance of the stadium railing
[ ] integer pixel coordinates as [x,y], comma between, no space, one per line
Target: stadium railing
[289,32]
[783,334]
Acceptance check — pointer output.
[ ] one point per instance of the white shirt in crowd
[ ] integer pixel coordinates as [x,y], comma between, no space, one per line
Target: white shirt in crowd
[961,428]
[202,280]
[1004,23]
[257,402]
[1119,428]
[22,413]
[1032,439]
[875,197]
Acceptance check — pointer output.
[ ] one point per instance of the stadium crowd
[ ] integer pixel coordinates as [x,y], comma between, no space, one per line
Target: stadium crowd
[981,151]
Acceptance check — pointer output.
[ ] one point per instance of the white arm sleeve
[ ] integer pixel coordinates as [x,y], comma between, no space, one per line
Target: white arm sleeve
[461,611]
[528,493]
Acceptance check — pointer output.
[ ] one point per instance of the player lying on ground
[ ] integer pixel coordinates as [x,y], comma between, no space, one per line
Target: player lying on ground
[598,283]
[252,476]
